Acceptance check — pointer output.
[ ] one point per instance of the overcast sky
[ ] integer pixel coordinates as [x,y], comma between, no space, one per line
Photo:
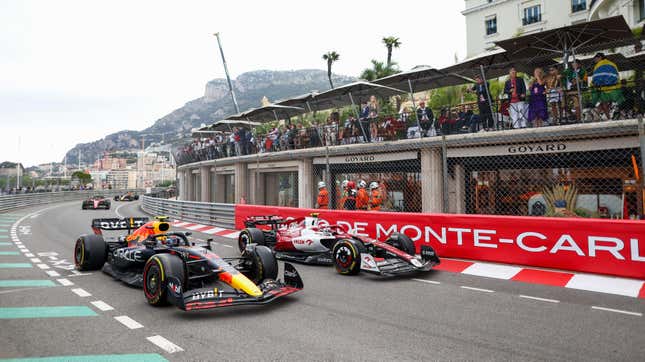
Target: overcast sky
[75,71]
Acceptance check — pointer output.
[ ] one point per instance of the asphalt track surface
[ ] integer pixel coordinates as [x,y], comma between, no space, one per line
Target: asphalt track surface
[448,317]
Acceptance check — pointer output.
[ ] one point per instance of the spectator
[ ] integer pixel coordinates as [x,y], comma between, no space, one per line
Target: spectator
[554,92]
[291,137]
[606,87]
[574,76]
[515,89]
[537,103]
[483,97]
[425,117]
[373,118]
[364,122]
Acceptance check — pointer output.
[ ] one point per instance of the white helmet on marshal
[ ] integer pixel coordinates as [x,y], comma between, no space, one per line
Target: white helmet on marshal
[373,185]
[344,184]
[362,184]
[321,184]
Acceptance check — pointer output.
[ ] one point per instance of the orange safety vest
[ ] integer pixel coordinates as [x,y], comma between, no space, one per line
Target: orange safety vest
[375,200]
[362,199]
[323,198]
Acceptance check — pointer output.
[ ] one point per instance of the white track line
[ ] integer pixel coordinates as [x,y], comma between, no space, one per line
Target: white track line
[165,344]
[232,235]
[52,273]
[213,230]
[617,311]
[195,227]
[81,292]
[35,260]
[540,299]
[116,211]
[65,282]
[128,322]
[426,281]
[477,289]
[101,305]
[43,266]
[29,255]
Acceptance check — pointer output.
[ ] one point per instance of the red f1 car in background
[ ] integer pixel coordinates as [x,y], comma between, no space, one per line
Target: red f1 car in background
[309,241]
[96,202]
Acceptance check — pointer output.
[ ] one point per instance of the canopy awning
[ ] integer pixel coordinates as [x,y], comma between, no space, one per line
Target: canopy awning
[422,78]
[271,112]
[352,93]
[227,125]
[577,38]
[302,101]
[496,64]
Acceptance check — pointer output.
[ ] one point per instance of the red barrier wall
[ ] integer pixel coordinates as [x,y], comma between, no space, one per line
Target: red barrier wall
[615,247]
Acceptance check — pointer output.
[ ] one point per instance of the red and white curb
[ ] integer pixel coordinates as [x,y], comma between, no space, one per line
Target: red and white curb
[211,230]
[590,282]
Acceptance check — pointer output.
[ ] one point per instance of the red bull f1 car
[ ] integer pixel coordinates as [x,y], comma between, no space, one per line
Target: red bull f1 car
[171,269]
[130,196]
[96,202]
[309,241]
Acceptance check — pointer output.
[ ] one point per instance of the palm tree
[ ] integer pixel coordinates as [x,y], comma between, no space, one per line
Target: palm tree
[391,42]
[330,57]
[379,70]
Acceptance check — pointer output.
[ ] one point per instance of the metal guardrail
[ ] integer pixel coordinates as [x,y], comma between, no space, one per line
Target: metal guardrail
[9,202]
[219,215]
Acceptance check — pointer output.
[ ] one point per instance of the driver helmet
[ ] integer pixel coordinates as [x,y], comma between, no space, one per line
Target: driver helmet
[351,185]
[362,184]
[373,185]
[321,184]
[344,184]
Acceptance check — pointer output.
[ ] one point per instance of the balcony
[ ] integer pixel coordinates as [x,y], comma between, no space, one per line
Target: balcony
[531,20]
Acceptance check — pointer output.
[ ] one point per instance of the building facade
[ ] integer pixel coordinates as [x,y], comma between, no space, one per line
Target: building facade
[488,21]
[593,169]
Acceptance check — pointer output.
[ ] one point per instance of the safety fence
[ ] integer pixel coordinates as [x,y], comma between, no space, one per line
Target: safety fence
[219,215]
[9,202]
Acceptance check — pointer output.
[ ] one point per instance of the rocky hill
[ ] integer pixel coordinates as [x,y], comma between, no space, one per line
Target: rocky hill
[214,105]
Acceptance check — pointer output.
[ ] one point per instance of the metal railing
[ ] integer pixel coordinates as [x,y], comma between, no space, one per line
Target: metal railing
[215,214]
[9,202]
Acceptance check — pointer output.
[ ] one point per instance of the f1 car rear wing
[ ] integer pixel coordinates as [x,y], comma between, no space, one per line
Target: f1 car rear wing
[273,220]
[128,223]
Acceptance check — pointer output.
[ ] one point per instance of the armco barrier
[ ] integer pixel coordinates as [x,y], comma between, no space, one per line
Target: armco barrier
[220,215]
[614,247]
[8,202]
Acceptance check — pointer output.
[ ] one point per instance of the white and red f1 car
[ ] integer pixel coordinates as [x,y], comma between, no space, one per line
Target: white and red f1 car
[307,240]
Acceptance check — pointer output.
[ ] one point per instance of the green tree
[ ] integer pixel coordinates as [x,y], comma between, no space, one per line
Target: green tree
[83,178]
[330,57]
[379,70]
[391,42]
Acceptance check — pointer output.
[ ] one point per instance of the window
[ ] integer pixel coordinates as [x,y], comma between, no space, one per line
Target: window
[491,25]
[578,5]
[532,15]
[641,9]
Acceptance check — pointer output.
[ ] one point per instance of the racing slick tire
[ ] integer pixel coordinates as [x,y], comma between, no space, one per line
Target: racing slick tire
[83,207]
[156,272]
[136,197]
[248,236]
[263,264]
[107,206]
[402,242]
[116,198]
[90,252]
[347,256]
